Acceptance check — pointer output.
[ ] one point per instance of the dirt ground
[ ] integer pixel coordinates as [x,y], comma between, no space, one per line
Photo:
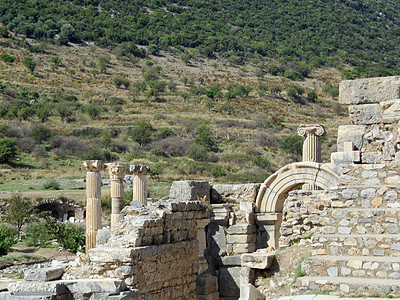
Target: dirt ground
[277,281]
[21,255]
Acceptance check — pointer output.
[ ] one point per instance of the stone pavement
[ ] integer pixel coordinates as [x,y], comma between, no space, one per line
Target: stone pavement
[327,297]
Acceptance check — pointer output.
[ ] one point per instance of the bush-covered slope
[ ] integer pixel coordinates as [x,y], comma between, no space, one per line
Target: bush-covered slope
[360,33]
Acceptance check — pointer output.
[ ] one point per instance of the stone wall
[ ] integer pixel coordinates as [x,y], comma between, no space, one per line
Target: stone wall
[154,250]
[311,212]
[374,110]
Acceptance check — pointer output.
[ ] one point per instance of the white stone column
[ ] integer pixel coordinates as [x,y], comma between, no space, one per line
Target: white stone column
[117,174]
[93,201]
[140,183]
[311,146]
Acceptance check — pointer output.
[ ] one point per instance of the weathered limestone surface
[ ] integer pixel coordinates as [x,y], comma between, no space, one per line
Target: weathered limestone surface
[369,90]
[154,250]
[43,274]
[188,190]
[117,175]
[139,183]
[311,145]
[93,201]
[234,192]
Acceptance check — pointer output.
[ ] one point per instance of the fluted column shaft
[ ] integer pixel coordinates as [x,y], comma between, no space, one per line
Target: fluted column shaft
[311,146]
[117,174]
[93,201]
[140,183]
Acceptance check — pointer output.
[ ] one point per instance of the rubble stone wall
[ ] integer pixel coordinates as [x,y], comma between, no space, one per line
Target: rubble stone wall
[371,187]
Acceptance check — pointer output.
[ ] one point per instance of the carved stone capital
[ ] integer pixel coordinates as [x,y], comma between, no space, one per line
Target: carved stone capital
[93,165]
[312,129]
[116,170]
[139,169]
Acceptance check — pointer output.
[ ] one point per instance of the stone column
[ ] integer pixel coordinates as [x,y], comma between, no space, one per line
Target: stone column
[93,201]
[311,146]
[140,183]
[117,174]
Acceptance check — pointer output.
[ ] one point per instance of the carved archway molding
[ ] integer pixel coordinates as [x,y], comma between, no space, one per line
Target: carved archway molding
[275,189]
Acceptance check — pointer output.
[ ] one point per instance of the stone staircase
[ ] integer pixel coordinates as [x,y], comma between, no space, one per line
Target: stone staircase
[356,251]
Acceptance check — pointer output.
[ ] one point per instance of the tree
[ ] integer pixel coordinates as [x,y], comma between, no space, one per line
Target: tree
[156,87]
[43,113]
[153,49]
[41,133]
[8,149]
[8,237]
[67,33]
[292,144]
[19,212]
[29,63]
[141,133]
[205,138]
[93,110]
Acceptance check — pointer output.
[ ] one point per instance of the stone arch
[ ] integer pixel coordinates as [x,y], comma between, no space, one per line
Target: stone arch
[274,190]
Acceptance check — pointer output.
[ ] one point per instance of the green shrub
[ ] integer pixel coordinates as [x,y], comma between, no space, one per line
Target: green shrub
[8,237]
[51,184]
[69,236]
[29,63]
[141,133]
[292,144]
[312,96]
[7,57]
[4,32]
[205,138]
[262,162]
[197,152]
[40,133]
[8,149]
[121,81]
[217,171]
[37,235]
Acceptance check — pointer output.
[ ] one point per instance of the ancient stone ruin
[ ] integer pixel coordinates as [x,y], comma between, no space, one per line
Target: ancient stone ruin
[206,241]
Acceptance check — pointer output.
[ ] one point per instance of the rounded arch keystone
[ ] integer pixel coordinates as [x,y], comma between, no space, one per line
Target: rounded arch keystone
[275,188]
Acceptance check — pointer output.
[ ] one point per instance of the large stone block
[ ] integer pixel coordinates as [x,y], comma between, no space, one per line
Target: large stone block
[207,284]
[249,292]
[235,192]
[229,281]
[390,111]
[43,274]
[187,190]
[350,133]
[365,114]
[126,295]
[348,157]
[88,286]
[216,238]
[37,288]
[369,90]
[258,260]
[241,229]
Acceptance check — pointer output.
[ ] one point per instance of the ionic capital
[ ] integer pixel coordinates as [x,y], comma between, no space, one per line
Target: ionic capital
[116,171]
[139,169]
[312,129]
[93,165]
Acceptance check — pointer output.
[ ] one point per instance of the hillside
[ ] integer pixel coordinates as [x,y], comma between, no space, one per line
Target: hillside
[207,119]
[339,33]
[74,85]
